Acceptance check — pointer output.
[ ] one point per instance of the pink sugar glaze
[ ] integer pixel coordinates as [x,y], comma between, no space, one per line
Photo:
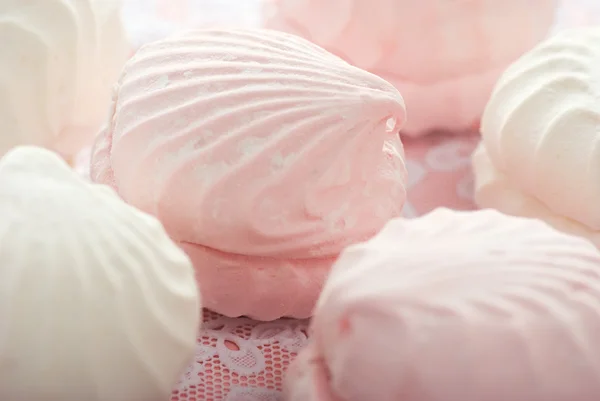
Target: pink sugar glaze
[263,155]
[446,71]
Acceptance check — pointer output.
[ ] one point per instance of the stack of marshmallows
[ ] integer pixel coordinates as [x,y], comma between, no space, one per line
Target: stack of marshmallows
[253,172]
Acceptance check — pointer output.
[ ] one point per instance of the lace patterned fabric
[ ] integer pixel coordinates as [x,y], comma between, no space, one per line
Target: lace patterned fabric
[240,359]
[244,360]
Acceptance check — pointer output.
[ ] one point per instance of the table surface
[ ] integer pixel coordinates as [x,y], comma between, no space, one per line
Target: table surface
[243,360]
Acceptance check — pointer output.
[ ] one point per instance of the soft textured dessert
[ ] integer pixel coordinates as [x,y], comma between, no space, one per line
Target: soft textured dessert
[96,302]
[262,154]
[540,132]
[463,306]
[445,72]
[58,63]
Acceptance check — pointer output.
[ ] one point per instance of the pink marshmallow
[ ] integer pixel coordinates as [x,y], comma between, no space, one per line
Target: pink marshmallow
[443,55]
[463,306]
[263,155]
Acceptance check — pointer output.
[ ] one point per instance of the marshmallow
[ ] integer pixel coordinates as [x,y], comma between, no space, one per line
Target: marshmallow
[59,61]
[457,306]
[96,302]
[443,55]
[263,155]
[540,135]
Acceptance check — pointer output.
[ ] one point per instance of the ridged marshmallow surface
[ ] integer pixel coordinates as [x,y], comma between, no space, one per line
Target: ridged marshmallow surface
[541,135]
[96,302]
[255,148]
[59,61]
[446,72]
[457,306]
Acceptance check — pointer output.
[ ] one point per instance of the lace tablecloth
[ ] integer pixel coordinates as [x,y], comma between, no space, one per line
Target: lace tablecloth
[243,360]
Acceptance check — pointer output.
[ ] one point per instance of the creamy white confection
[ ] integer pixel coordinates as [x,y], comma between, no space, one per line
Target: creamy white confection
[96,302]
[540,154]
[58,62]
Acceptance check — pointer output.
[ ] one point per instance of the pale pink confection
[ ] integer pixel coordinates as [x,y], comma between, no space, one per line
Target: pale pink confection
[263,155]
[467,306]
[443,55]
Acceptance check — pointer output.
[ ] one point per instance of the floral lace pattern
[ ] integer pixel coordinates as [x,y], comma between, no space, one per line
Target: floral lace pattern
[245,360]
[240,359]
